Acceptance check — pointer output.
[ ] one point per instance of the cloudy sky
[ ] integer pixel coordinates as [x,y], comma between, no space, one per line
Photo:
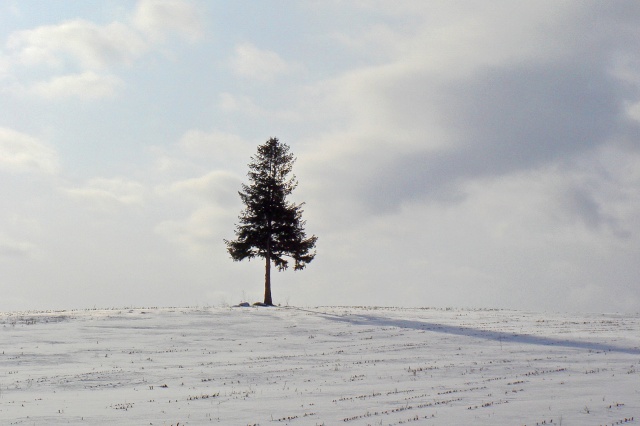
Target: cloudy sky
[450,153]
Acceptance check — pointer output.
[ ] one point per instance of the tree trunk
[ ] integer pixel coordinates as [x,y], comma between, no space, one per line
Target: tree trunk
[267,280]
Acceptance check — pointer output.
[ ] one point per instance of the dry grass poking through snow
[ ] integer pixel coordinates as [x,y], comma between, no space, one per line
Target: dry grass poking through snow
[290,366]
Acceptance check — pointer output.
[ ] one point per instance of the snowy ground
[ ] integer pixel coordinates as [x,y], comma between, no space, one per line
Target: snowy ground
[356,366]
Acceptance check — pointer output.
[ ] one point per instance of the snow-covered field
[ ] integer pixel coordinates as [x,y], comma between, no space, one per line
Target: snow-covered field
[356,366]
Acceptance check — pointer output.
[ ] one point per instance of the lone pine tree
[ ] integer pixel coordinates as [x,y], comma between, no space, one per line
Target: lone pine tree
[270,226]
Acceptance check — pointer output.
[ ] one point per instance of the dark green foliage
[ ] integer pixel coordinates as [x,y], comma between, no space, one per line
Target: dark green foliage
[270,226]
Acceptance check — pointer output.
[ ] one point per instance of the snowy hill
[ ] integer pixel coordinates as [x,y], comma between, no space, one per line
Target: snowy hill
[338,365]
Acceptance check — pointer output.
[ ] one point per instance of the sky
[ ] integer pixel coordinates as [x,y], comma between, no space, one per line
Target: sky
[449,153]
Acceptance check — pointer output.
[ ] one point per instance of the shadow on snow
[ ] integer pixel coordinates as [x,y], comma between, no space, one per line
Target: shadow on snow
[370,320]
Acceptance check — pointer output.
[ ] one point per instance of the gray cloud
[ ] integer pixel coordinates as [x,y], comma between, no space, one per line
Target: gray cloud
[503,120]
[585,208]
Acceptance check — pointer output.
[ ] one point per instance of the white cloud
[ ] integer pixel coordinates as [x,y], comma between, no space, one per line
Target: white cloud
[106,193]
[211,200]
[217,187]
[84,43]
[246,105]
[456,39]
[79,48]
[201,231]
[633,111]
[261,65]
[92,46]
[87,85]
[5,66]
[214,144]
[231,102]
[199,150]
[12,248]
[158,17]
[20,152]
[210,203]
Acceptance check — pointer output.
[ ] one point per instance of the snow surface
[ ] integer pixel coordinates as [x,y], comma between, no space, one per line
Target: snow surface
[326,365]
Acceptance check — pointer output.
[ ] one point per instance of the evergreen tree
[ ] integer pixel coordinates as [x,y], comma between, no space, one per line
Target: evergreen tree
[270,226]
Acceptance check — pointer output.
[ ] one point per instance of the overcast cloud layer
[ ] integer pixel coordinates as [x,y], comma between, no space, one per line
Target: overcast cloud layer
[469,154]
